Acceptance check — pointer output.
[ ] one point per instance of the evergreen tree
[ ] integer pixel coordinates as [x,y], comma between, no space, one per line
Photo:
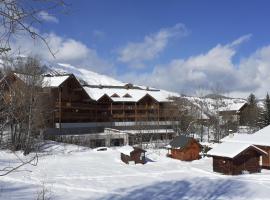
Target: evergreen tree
[267,109]
[264,118]
[250,116]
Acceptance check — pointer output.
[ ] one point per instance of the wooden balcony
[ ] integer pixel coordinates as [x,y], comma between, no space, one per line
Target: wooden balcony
[75,105]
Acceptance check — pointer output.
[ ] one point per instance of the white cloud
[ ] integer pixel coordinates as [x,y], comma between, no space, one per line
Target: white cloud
[152,45]
[66,50]
[47,17]
[211,69]
[240,40]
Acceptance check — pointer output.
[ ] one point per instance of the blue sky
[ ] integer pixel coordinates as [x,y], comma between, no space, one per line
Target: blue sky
[209,23]
[141,41]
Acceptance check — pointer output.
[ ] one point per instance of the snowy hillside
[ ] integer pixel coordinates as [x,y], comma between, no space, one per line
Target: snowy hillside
[211,105]
[88,76]
[73,172]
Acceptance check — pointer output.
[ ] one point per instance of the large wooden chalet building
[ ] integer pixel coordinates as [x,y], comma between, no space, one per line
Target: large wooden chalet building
[86,109]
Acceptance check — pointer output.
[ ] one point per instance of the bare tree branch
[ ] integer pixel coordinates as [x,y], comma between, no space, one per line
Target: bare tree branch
[20,16]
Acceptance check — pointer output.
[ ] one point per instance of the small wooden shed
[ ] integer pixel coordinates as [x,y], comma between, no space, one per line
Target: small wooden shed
[233,158]
[132,154]
[184,148]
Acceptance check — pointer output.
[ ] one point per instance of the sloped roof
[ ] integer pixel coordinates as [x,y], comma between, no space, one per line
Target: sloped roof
[180,141]
[48,81]
[128,149]
[232,149]
[261,137]
[233,107]
[136,94]
[54,81]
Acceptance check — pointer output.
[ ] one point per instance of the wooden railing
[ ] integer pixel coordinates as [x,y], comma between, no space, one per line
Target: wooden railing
[89,106]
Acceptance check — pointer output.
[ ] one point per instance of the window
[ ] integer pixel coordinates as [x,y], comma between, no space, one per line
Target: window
[142,156]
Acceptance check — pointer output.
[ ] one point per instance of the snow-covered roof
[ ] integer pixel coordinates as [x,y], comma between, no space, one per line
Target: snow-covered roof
[233,107]
[136,94]
[148,131]
[23,77]
[236,137]
[48,81]
[231,149]
[212,106]
[54,81]
[261,137]
[126,149]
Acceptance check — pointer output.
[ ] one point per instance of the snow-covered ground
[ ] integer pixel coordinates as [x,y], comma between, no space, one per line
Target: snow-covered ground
[73,172]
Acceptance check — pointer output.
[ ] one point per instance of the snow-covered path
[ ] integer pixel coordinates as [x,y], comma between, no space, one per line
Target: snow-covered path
[72,172]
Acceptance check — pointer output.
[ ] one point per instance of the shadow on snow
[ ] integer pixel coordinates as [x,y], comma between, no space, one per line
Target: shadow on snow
[196,188]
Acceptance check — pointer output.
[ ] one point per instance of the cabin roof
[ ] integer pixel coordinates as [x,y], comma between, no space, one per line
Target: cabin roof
[261,137]
[180,141]
[231,149]
[128,149]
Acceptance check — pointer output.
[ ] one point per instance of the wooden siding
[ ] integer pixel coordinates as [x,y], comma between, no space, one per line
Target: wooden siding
[72,104]
[189,153]
[265,158]
[248,160]
[134,156]
[69,103]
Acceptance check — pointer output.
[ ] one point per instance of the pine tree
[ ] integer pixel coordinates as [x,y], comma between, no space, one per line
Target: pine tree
[267,109]
[251,114]
[264,118]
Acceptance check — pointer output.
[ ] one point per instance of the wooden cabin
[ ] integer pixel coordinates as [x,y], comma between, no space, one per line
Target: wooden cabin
[232,158]
[184,148]
[260,139]
[132,154]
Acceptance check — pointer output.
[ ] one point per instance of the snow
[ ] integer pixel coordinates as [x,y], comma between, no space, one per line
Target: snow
[230,149]
[136,94]
[264,131]
[126,149]
[90,77]
[95,79]
[147,131]
[51,81]
[54,81]
[73,172]
[261,137]
[97,93]
[211,106]
[233,107]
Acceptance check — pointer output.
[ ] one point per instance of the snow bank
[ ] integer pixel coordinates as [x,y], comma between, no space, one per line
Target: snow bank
[71,172]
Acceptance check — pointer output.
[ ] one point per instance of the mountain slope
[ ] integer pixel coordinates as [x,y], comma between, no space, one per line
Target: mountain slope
[90,77]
